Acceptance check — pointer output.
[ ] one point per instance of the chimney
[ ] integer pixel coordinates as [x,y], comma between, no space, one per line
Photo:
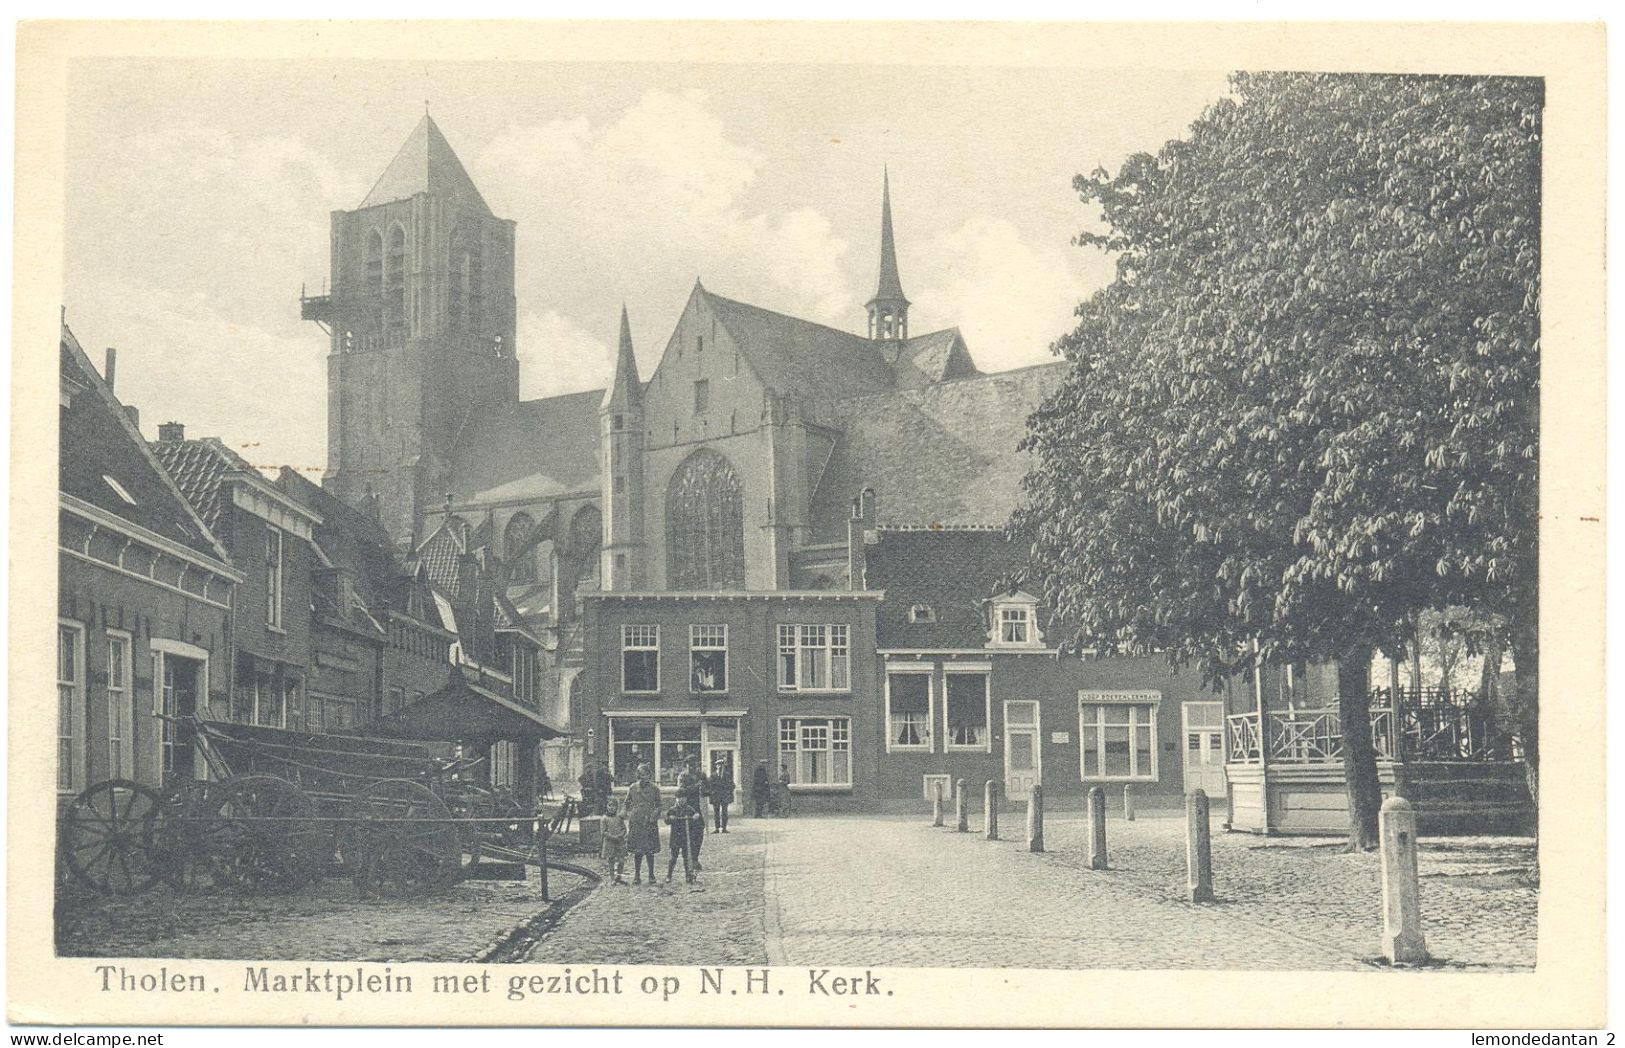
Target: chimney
[858,530]
[171,433]
[111,369]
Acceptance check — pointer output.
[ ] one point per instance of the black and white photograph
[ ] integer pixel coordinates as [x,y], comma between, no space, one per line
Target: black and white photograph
[568,516]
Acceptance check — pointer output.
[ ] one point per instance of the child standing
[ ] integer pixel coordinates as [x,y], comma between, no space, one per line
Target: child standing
[681,820]
[614,850]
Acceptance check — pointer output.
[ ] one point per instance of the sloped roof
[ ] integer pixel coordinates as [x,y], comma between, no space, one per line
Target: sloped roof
[800,357]
[554,439]
[937,357]
[199,467]
[440,553]
[98,441]
[951,570]
[944,453]
[426,164]
[352,540]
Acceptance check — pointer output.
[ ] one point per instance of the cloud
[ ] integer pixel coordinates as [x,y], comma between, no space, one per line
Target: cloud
[557,355]
[637,206]
[180,359]
[1010,298]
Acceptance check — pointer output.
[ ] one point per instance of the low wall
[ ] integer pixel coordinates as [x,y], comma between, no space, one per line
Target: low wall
[1450,798]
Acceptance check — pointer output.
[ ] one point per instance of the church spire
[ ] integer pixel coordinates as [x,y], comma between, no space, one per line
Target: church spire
[888,310]
[625,389]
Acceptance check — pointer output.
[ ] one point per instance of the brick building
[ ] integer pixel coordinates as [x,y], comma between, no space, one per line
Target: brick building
[269,538]
[974,686]
[144,602]
[783,678]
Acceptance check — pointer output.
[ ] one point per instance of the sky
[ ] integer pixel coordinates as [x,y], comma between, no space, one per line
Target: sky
[199,193]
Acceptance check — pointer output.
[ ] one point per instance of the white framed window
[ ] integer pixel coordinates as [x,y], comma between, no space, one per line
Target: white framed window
[1015,625]
[922,613]
[273,578]
[816,751]
[815,657]
[640,659]
[120,707]
[666,745]
[909,707]
[70,706]
[707,659]
[1117,735]
[967,710]
[1015,622]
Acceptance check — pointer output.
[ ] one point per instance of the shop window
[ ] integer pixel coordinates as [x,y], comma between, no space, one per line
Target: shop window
[1117,736]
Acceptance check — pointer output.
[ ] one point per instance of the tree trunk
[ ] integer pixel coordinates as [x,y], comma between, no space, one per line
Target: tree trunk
[1359,756]
[1526,672]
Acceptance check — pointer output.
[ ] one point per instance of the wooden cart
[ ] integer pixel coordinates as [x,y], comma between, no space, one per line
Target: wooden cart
[282,808]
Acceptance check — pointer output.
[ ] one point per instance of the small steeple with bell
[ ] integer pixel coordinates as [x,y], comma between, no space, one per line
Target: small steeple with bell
[888,310]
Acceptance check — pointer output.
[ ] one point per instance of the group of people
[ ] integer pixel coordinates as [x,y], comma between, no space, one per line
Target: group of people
[637,828]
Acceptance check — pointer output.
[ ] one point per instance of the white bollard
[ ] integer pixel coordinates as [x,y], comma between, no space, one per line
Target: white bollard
[990,810]
[1097,828]
[1128,801]
[1402,941]
[961,813]
[1198,848]
[936,803]
[1035,819]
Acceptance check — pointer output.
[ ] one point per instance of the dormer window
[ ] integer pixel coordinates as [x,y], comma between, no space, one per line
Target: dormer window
[1015,625]
[1014,622]
[922,613]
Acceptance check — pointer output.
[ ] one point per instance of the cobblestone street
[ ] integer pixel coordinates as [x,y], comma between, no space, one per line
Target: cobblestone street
[893,891]
[888,891]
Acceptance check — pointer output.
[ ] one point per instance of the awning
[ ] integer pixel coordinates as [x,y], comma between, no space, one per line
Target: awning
[462,711]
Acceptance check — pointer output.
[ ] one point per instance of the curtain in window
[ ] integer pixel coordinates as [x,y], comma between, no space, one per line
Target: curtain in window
[705,524]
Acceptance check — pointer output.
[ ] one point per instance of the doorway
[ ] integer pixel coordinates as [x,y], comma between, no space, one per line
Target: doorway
[179,683]
[1023,765]
[1204,748]
[720,745]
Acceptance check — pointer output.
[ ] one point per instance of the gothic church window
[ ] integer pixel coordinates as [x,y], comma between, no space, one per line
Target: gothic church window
[465,298]
[705,524]
[375,265]
[395,279]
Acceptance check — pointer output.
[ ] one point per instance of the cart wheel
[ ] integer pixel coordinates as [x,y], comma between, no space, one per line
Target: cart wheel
[400,857]
[182,836]
[109,837]
[261,832]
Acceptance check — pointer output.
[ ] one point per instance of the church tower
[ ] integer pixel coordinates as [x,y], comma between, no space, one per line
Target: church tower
[888,310]
[621,430]
[420,315]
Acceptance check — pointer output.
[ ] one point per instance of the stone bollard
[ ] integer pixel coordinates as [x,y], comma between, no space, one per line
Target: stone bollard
[961,812]
[1035,819]
[990,808]
[1402,941]
[1097,828]
[1198,848]
[1128,801]
[936,803]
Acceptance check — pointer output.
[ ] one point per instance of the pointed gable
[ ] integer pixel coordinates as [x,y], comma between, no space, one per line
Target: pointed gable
[427,164]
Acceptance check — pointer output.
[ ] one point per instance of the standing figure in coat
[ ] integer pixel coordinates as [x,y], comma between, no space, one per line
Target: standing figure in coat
[643,823]
[722,795]
[761,788]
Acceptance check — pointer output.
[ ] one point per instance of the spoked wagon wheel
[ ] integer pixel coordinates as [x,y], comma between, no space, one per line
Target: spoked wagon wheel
[408,845]
[262,832]
[190,836]
[109,837]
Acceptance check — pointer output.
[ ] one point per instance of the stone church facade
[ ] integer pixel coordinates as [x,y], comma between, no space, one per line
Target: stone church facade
[732,468]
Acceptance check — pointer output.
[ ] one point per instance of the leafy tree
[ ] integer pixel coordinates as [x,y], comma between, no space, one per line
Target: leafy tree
[1307,407]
